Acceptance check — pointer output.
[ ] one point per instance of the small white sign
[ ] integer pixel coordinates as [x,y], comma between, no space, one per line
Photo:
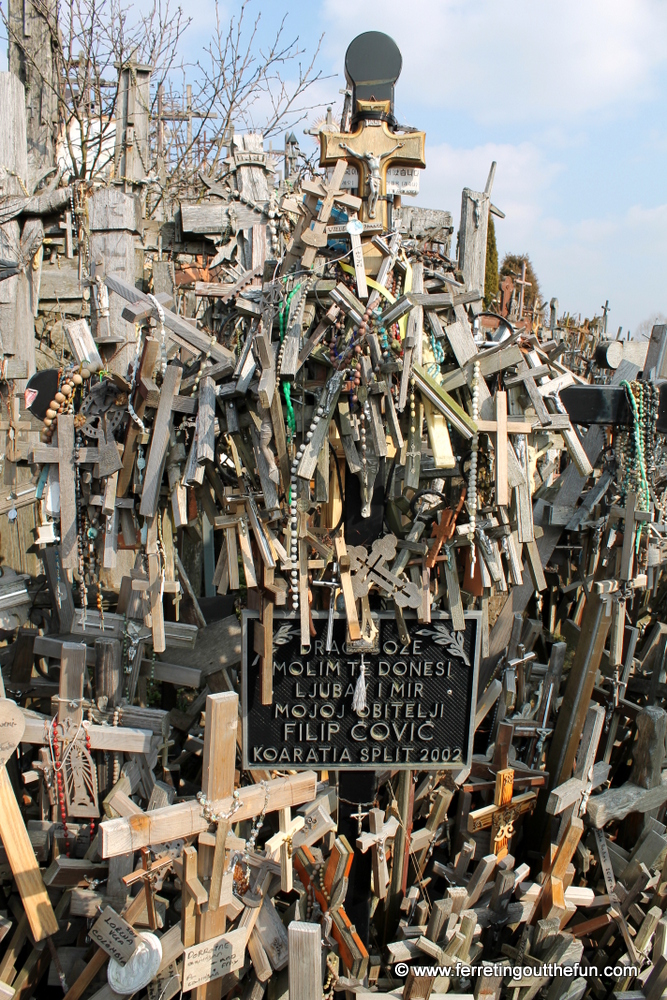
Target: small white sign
[350,180]
[403,180]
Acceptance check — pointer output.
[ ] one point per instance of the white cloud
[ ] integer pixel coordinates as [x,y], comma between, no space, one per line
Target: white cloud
[513,61]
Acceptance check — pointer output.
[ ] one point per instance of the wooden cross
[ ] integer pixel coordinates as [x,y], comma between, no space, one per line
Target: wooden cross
[218,768]
[148,874]
[523,284]
[79,785]
[380,833]
[281,845]
[330,895]
[631,519]
[501,427]
[373,149]
[501,815]
[310,234]
[571,798]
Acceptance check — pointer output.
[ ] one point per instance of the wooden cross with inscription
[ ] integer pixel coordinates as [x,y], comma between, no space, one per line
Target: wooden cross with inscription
[501,815]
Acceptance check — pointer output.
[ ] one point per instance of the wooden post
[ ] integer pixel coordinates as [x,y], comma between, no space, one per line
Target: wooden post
[115,218]
[222,713]
[401,846]
[305,961]
[108,671]
[578,692]
[68,537]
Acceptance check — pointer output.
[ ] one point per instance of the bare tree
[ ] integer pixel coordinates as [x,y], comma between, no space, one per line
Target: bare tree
[238,83]
[92,43]
[191,109]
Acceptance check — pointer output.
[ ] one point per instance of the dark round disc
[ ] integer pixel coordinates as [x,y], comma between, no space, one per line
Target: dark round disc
[373,64]
[40,390]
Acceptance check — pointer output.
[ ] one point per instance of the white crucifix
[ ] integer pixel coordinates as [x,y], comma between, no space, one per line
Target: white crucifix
[380,833]
[280,845]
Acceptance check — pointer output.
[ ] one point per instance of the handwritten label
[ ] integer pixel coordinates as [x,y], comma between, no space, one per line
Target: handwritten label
[166,984]
[213,959]
[115,936]
[12,727]
[605,862]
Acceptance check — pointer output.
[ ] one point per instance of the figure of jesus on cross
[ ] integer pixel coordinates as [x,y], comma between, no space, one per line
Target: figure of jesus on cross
[374,163]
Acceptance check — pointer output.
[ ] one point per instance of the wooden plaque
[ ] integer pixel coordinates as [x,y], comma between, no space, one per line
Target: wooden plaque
[421,698]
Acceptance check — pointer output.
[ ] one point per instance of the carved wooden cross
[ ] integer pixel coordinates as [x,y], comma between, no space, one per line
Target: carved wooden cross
[380,833]
[501,815]
[370,568]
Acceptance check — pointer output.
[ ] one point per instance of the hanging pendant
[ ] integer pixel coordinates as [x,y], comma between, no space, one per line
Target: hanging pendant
[80,782]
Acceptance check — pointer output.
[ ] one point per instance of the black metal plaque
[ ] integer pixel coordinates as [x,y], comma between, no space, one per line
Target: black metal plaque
[421,698]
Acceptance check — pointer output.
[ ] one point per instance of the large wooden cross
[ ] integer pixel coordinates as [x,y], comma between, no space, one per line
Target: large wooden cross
[373,149]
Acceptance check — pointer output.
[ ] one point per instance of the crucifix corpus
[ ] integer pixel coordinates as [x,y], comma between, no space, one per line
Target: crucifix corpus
[372,66]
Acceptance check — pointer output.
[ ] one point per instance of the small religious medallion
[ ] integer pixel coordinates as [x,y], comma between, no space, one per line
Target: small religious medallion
[141,968]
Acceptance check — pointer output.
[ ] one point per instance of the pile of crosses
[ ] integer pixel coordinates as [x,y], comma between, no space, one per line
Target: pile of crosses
[427,754]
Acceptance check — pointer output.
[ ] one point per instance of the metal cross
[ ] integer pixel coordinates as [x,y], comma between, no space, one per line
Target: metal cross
[334,586]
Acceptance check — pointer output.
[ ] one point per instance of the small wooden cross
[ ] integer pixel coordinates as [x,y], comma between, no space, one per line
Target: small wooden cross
[149,874]
[523,284]
[329,893]
[380,833]
[444,531]
[310,233]
[281,845]
[501,815]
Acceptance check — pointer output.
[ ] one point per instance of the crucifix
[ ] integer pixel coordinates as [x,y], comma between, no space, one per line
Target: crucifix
[149,874]
[281,845]
[374,146]
[380,833]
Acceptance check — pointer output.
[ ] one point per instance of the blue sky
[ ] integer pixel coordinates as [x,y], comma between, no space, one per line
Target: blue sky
[568,97]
